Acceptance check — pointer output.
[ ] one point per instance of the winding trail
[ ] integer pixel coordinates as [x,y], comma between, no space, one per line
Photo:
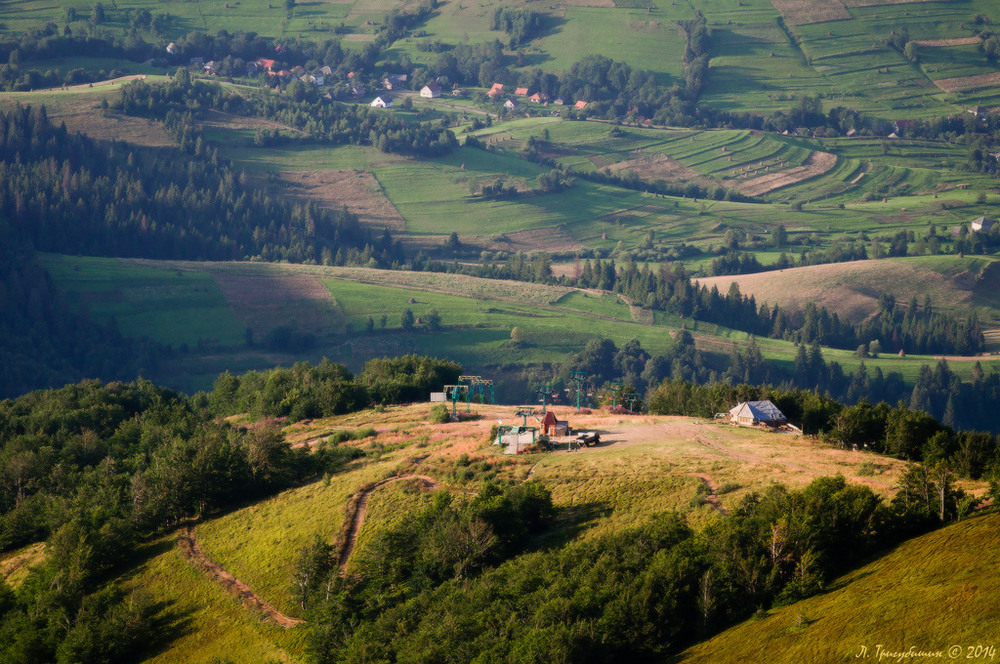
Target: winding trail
[712,497]
[192,552]
[356,516]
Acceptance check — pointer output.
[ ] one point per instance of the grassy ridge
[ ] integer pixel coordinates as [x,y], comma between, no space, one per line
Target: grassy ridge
[931,593]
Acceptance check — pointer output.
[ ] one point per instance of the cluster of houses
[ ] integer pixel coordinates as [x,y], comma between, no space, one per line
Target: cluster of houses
[511,103]
[391,82]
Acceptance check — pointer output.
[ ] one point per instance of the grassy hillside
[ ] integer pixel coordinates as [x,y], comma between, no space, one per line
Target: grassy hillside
[852,289]
[645,465]
[204,311]
[936,593]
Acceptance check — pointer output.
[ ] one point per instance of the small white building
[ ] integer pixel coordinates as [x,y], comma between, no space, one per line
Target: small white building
[384,101]
[430,91]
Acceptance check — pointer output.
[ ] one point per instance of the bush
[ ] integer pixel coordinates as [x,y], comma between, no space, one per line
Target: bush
[440,414]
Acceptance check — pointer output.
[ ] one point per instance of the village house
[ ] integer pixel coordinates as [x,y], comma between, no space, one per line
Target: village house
[539,98]
[495,91]
[394,81]
[754,413]
[521,92]
[580,105]
[511,104]
[430,91]
[265,64]
[558,101]
[984,224]
[385,101]
[359,91]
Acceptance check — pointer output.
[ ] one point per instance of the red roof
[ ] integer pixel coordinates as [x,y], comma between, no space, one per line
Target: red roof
[495,90]
[265,63]
[549,419]
[521,92]
[580,105]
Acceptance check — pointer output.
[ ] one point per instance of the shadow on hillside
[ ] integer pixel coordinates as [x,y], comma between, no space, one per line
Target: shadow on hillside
[571,522]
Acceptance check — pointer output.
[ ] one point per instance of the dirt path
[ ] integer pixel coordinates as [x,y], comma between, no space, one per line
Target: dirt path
[192,551]
[357,517]
[712,497]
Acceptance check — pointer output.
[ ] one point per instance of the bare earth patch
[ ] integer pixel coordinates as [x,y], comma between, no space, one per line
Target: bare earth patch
[222,120]
[110,126]
[955,41]
[803,12]
[539,239]
[358,190]
[815,164]
[879,3]
[662,167]
[969,82]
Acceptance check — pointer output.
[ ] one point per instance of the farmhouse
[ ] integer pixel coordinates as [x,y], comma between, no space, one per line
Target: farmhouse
[984,224]
[539,97]
[430,91]
[753,413]
[511,104]
[580,105]
[265,64]
[393,81]
[385,101]
[495,91]
[521,92]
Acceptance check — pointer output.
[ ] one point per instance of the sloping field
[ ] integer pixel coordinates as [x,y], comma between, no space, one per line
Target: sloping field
[816,164]
[963,83]
[803,12]
[358,190]
[955,41]
[852,289]
[937,594]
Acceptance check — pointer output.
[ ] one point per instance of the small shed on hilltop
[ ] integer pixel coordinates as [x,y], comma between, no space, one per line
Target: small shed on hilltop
[752,413]
[553,427]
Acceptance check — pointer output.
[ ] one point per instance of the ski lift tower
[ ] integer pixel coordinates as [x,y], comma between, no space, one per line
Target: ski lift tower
[578,378]
[630,398]
[615,386]
[454,394]
[543,394]
[524,411]
[477,385]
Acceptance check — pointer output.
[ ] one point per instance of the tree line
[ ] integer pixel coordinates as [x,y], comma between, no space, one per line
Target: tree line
[70,194]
